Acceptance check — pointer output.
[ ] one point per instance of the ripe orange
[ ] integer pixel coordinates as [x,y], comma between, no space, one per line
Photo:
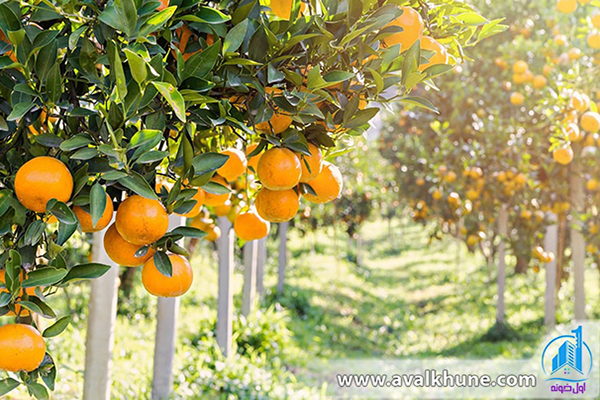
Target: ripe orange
[163,5]
[42,179]
[279,122]
[590,121]
[593,40]
[314,161]
[327,185]
[277,206]
[411,23]
[121,251]
[580,101]
[85,218]
[207,225]
[217,199]
[596,20]
[563,155]
[159,285]
[592,185]
[250,226]
[141,221]
[283,8]
[200,196]
[575,53]
[517,98]
[30,291]
[520,67]
[22,348]
[539,82]
[279,169]
[439,57]
[253,161]
[574,133]
[234,166]
[437,194]
[566,6]
[223,209]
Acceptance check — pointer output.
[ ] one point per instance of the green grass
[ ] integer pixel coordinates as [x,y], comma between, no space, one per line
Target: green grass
[408,299]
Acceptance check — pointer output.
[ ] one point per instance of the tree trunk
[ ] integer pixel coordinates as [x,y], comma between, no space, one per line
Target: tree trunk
[249,291]
[127,278]
[283,228]
[225,300]
[503,232]
[260,266]
[522,264]
[550,245]
[578,244]
[101,324]
[166,336]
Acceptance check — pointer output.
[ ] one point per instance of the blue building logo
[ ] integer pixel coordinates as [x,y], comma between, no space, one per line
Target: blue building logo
[567,358]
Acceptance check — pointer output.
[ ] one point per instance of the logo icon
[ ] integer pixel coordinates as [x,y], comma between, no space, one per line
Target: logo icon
[567,358]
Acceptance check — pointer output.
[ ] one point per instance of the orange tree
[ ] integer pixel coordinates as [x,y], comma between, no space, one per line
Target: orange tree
[515,130]
[149,108]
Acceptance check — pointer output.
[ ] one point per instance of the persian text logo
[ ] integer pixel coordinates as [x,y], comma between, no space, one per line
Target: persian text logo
[567,358]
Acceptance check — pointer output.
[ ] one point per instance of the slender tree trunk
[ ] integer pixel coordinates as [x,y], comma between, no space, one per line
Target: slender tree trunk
[577,243]
[283,229]
[127,278]
[503,232]
[260,266]
[166,336]
[551,245]
[249,290]
[225,299]
[101,324]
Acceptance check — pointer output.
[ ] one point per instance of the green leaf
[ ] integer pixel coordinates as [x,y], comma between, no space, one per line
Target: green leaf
[411,61]
[31,306]
[212,16]
[62,212]
[8,385]
[158,20]
[86,271]
[54,84]
[37,390]
[145,138]
[334,77]
[137,65]
[44,277]
[97,203]
[34,232]
[8,19]
[152,157]
[76,142]
[361,117]
[139,185]
[74,37]
[5,199]
[48,140]
[117,69]
[58,327]
[87,153]
[45,310]
[315,80]
[163,263]
[420,102]
[208,162]
[113,175]
[173,97]
[188,231]
[201,64]
[19,111]
[235,37]
[65,231]
[215,188]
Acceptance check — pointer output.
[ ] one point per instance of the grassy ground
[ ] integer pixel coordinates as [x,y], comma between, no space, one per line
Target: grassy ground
[408,299]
